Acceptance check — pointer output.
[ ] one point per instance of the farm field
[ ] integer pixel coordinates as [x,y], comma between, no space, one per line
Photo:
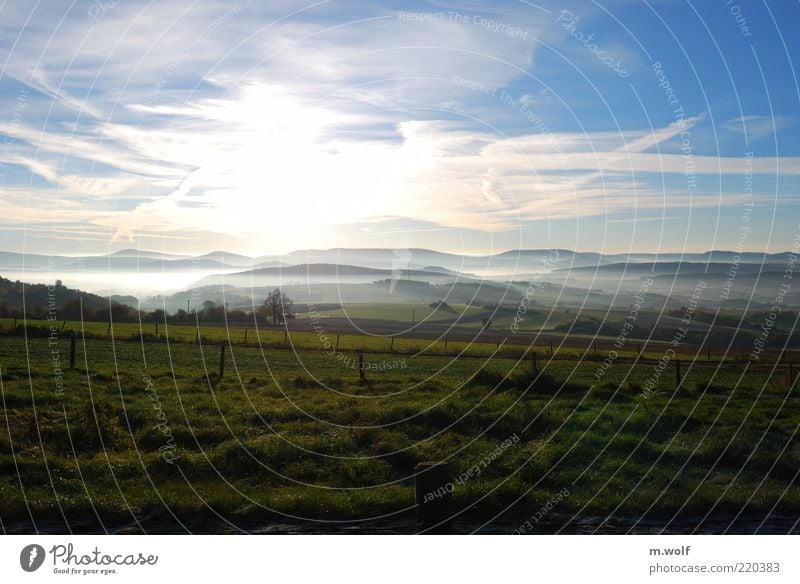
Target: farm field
[469,316]
[443,341]
[144,435]
[401,311]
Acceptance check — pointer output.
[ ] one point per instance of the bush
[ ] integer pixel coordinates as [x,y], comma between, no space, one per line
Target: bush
[486,377]
[302,383]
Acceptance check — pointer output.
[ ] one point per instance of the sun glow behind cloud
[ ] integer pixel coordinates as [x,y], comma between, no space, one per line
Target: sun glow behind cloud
[285,131]
[264,163]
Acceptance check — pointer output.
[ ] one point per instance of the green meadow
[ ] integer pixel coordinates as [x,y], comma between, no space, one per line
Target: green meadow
[143,432]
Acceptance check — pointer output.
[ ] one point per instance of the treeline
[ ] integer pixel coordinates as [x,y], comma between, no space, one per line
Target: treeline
[20,300]
[39,298]
[74,310]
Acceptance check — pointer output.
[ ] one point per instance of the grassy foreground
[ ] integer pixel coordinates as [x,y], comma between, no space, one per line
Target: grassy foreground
[145,433]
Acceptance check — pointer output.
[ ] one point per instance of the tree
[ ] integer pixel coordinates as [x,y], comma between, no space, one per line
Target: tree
[73,309]
[212,312]
[158,315]
[122,313]
[277,305]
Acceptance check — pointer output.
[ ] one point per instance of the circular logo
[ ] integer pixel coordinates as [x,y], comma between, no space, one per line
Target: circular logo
[31,557]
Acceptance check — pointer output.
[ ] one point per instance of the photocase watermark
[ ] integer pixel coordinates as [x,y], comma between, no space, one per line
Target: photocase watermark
[350,362]
[776,309]
[473,471]
[741,20]
[551,504]
[548,263]
[99,9]
[690,167]
[69,562]
[52,343]
[31,557]
[680,334]
[95,561]
[522,106]
[169,451]
[345,360]
[744,228]
[568,21]
[20,105]
[475,86]
[52,327]
[627,329]
[169,70]
[489,24]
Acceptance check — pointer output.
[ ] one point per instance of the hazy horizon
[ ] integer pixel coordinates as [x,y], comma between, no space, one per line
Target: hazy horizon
[255,255]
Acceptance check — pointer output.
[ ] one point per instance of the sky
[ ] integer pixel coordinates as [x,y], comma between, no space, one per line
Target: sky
[467,127]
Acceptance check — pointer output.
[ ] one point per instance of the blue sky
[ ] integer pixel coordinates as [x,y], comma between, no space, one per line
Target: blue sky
[469,127]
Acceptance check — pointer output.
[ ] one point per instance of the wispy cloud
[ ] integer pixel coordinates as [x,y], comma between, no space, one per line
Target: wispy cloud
[285,119]
[263,157]
[755,127]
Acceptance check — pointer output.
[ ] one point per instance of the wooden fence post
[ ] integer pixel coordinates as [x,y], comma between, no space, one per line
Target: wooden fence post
[72,351]
[433,489]
[391,345]
[361,365]
[445,345]
[534,363]
[337,342]
[156,329]
[221,360]
[677,373]
[245,335]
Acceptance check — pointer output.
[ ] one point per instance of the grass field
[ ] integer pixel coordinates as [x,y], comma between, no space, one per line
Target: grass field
[402,311]
[144,433]
[461,314]
[498,343]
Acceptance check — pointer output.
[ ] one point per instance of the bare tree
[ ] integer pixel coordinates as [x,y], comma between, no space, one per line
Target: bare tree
[277,305]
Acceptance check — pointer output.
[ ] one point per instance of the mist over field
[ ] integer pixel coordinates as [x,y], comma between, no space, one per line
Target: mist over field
[738,280]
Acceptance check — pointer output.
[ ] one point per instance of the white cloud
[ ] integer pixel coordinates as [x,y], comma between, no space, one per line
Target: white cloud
[756,127]
[243,122]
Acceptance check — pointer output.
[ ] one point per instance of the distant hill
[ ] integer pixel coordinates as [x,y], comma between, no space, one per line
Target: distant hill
[140,271]
[229,259]
[512,261]
[440,270]
[37,298]
[322,273]
[144,254]
[661,268]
